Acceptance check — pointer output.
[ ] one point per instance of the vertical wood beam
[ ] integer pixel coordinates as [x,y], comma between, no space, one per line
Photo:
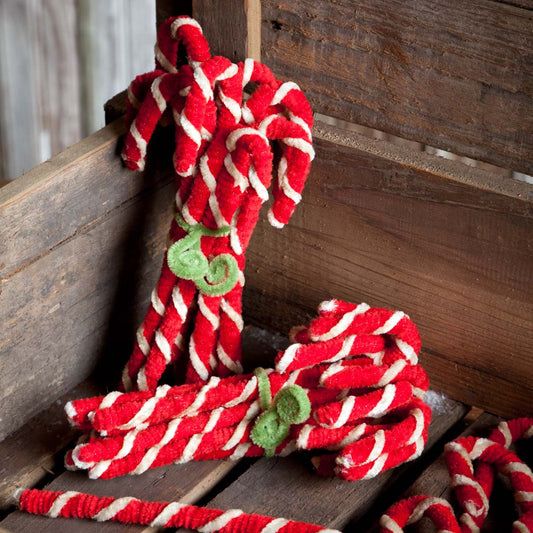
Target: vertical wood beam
[232,27]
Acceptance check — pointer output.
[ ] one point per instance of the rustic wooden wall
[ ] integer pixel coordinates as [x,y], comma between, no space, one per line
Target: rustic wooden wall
[60,60]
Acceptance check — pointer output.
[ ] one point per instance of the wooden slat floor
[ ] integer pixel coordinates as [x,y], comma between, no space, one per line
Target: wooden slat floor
[278,486]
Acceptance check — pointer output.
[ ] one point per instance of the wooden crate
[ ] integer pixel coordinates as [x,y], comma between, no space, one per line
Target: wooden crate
[451,245]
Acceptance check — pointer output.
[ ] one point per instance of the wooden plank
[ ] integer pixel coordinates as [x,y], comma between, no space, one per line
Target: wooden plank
[84,241]
[232,27]
[415,69]
[29,454]
[448,244]
[287,486]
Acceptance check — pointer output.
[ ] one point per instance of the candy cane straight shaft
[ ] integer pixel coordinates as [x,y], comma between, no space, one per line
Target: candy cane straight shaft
[130,510]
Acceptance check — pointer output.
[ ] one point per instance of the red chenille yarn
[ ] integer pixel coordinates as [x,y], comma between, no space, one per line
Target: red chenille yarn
[224,164]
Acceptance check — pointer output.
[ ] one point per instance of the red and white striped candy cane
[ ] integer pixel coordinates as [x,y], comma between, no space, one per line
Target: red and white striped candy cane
[473,486]
[223,162]
[129,510]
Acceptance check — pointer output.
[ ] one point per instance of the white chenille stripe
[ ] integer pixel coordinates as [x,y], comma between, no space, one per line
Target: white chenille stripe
[391,323]
[164,346]
[139,141]
[521,527]
[300,144]
[166,514]
[407,350]
[241,427]
[142,383]
[479,447]
[156,93]
[200,397]
[107,513]
[245,394]
[156,303]
[392,372]
[273,221]
[468,521]
[460,479]
[255,182]
[354,435]
[387,522]
[132,98]
[196,362]
[342,324]
[379,444]
[179,304]
[234,236]
[282,92]
[346,347]
[423,506]
[109,399]
[208,314]
[233,106]
[222,521]
[240,179]
[377,468]
[179,22]
[302,123]
[225,359]
[346,410]
[275,525]
[419,427]
[190,130]
[387,396]
[60,502]
[236,317]
[284,184]
[203,82]
[523,496]
[240,451]
[142,342]
[288,357]
[503,427]
[517,467]
[235,135]
[247,72]
[303,437]
[333,369]
[147,409]
[529,433]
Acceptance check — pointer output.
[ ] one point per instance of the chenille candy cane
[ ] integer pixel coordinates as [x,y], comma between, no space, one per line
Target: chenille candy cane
[140,430]
[473,486]
[223,163]
[129,510]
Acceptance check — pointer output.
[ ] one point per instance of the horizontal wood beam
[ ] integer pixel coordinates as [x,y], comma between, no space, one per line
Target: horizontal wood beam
[456,79]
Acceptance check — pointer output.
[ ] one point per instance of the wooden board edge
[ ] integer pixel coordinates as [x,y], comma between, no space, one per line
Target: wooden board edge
[39,175]
[444,168]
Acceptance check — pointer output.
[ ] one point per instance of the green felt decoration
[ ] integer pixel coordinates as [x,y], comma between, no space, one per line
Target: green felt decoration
[290,406]
[186,259]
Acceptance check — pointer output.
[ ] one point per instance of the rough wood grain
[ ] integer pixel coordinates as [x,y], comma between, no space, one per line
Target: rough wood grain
[287,486]
[240,21]
[84,240]
[416,69]
[171,8]
[29,455]
[410,231]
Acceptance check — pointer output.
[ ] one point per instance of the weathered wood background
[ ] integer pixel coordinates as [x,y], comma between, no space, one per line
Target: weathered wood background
[60,60]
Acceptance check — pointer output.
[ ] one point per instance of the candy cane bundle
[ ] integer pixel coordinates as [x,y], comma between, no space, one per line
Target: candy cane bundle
[351,385]
[223,163]
[473,487]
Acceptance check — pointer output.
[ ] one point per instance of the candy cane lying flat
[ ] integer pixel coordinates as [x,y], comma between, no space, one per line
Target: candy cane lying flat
[473,486]
[373,422]
[128,510]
